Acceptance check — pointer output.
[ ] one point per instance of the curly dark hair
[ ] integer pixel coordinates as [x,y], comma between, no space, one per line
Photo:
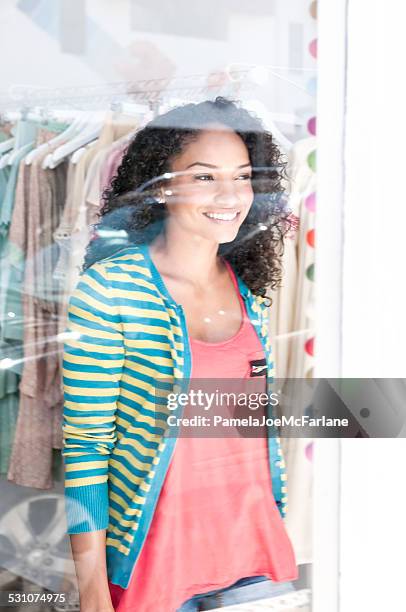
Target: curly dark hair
[132,212]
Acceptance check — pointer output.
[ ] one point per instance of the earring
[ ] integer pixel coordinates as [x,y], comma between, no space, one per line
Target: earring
[160,200]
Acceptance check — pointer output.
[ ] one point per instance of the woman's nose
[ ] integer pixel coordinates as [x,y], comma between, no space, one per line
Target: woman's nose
[226,194]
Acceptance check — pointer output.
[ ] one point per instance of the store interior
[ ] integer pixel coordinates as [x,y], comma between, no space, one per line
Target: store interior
[102,71]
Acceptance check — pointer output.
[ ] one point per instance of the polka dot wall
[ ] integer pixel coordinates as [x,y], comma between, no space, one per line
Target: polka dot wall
[310,201]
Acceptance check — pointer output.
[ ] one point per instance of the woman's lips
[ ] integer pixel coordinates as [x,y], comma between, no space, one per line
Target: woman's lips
[228,217]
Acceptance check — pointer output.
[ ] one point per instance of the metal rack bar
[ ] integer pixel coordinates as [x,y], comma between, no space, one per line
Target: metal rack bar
[145,91]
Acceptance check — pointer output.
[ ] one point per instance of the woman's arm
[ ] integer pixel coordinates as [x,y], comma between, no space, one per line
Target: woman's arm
[92,367]
[89,555]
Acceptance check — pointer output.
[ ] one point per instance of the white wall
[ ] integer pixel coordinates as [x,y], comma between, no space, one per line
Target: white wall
[372,525]
[361,209]
[374,289]
[361,220]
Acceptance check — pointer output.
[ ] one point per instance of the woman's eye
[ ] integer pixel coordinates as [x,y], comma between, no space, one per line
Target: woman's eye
[204,177]
[210,177]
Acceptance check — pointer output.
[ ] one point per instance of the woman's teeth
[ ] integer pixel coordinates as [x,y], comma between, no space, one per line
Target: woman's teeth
[222,216]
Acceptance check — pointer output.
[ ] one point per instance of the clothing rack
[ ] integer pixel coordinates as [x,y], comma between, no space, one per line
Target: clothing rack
[153,92]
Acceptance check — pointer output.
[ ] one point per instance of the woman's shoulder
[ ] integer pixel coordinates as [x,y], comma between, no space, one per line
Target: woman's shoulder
[125,255]
[128,261]
[125,270]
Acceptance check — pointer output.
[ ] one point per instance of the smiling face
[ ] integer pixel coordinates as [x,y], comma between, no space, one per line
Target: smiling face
[211,193]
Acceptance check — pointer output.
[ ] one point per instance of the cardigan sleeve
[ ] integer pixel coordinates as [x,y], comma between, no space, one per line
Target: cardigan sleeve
[93,360]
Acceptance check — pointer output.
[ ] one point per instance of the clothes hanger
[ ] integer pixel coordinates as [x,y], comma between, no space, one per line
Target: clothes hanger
[73,130]
[6,148]
[13,155]
[90,132]
[6,145]
[75,157]
[59,138]
[26,117]
[4,160]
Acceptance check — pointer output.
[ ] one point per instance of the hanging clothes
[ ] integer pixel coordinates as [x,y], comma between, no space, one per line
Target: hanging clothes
[8,379]
[291,329]
[74,231]
[92,201]
[10,317]
[41,215]
[38,206]
[111,163]
[63,233]
[99,178]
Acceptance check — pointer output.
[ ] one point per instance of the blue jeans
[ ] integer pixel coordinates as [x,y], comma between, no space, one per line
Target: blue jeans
[242,591]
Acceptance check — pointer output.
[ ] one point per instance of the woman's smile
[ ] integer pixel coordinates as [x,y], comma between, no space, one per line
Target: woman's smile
[223,217]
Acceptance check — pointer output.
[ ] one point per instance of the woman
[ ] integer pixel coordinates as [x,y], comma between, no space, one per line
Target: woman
[173,288]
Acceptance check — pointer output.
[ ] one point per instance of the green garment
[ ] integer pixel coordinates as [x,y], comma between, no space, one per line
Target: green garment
[9,378]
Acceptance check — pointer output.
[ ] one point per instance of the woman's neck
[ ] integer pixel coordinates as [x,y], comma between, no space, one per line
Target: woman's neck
[192,259]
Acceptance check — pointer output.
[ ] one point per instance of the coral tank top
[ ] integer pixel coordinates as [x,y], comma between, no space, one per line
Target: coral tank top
[216,520]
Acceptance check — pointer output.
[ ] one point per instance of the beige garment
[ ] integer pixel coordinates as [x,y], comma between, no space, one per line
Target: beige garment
[81,232]
[40,298]
[113,129]
[291,321]
[303,184]
[86,191]
[63,234]
[88,211]
[31,458]
[291,325]
[36,214]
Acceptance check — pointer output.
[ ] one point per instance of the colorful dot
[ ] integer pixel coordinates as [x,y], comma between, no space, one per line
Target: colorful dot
[309,346]
[310,272]
[310,202]
[311,160]
[313,48]
[309,451]
[310,238]
[311,126]
[313,9]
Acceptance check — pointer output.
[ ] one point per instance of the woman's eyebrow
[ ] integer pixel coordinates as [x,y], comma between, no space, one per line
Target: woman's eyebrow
[212,166]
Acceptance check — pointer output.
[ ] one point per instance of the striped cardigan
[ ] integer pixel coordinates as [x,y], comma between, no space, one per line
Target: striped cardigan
[125,334]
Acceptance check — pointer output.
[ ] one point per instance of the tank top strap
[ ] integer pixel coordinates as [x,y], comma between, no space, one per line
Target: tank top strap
[235,283]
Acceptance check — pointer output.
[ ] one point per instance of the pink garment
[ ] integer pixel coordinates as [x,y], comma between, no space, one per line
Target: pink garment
[38,206]
[111,164]
[216,520]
